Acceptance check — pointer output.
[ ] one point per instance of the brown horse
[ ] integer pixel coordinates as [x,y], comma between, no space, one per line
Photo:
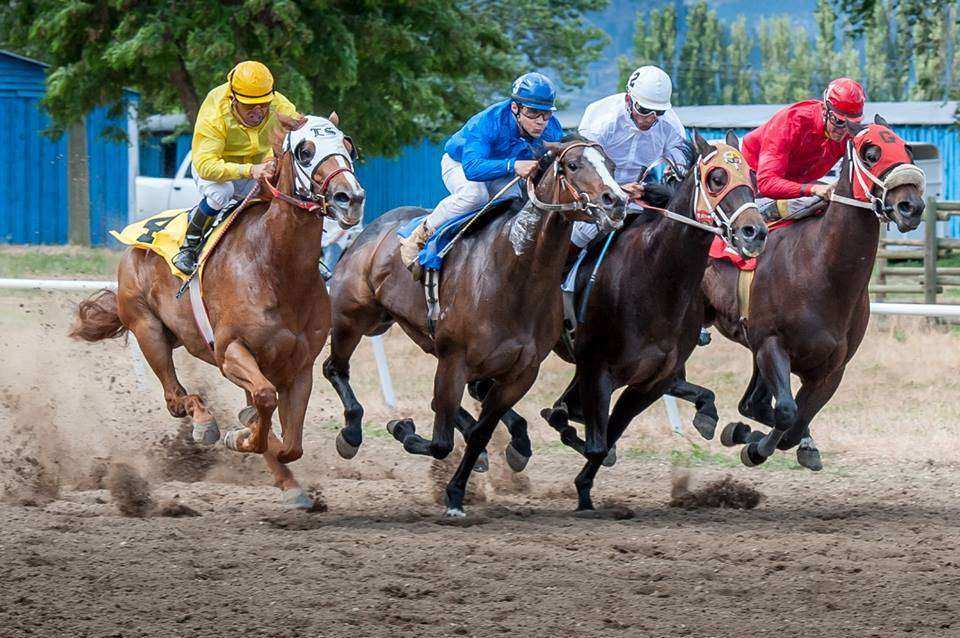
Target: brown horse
[642,320]
[266,301]
[810,304]
[500,308]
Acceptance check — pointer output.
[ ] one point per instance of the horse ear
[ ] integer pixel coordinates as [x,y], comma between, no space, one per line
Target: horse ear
[703,146]
[291,123]
[732,139]
[878,119]
[334,118]
[855,127]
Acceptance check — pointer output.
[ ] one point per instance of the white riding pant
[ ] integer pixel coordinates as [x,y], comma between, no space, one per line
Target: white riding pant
[584,232]
[219,194]
[465,196]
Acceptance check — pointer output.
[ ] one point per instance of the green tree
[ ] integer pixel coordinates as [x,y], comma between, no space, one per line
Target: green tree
[654,42]
[880,73]
[738,82]
[787,64]
[929,48]
[395,70]
[826,42]
[699,57]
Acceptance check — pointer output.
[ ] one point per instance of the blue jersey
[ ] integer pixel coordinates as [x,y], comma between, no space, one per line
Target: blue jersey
[490,142]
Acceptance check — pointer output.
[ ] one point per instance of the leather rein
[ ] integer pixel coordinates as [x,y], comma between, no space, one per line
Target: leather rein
[581,201]
[319,206]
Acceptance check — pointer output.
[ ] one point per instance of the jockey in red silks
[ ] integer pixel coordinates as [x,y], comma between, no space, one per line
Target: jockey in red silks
[801,143]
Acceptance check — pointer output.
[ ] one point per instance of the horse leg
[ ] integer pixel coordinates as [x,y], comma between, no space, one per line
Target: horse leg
[811,398]
[631,403]
[156,344]
[344,339]
[558,417]
[774,367]
[497,401]
[465,424]
[705,420]
[240,367]
[595,389]
[448,386]
[292,408]
[293,494]
[519,450]
[756,404]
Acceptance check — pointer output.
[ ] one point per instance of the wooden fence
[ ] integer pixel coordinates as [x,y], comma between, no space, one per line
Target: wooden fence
[893,280]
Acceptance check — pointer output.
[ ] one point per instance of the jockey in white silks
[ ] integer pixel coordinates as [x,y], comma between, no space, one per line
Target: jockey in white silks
[636,129]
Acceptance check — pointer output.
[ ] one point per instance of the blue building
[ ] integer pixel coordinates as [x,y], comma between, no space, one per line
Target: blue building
[39,197]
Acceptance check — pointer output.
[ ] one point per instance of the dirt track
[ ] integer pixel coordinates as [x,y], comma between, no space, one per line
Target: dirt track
[866,548]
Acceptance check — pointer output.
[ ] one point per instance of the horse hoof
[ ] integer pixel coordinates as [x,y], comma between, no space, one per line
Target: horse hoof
[755,436]
[344,449]
[749,455]
[454,512]
[734,434]
[206,433]
[611,458]
[247,415]
[231,438]
[515,460]
[482,464]
[706,425]
[297,499]
[809,458]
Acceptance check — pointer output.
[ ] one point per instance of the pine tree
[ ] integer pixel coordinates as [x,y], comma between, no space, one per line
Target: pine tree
[654,42]
[880,80]
[787,64]
[826,42]
[738,82]
[699,57]
[928,57]
[900,65]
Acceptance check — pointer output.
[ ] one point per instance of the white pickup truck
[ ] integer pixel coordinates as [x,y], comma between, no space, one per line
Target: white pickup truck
[156,194]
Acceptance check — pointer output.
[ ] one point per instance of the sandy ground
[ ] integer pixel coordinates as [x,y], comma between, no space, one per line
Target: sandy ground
[868,547]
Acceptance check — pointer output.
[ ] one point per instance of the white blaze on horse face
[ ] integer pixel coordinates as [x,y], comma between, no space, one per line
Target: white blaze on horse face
[342,163]
[594,157]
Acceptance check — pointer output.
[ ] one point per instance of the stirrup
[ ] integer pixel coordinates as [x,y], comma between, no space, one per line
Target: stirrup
[186,259]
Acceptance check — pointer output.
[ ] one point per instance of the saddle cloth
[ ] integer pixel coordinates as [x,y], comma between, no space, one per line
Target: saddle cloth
[163,234]
[429,256]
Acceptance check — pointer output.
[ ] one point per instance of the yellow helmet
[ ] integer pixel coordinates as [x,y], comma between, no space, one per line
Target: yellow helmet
[251,82]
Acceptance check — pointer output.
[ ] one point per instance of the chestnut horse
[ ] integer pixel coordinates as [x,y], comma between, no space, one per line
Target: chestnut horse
[810,304]
[499,306]
[266,301]
[642,320]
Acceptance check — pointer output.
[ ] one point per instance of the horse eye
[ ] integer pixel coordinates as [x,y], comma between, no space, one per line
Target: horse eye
[718,178]
[572,166]
[305,152]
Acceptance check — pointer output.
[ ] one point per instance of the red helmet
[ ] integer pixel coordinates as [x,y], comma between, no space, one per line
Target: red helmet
[846,97]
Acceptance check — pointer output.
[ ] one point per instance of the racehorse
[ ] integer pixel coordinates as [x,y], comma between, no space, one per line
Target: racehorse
[499,305]
[810,303]
[266,301]
[642,319]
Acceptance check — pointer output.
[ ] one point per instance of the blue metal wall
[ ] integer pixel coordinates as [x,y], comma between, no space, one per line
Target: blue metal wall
[109,169]
[33,209]
[152,152]
[411,179]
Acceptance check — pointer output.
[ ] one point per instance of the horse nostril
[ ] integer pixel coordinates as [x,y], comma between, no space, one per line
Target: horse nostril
[607,199]
[341,199]
[906,208]
[748,232]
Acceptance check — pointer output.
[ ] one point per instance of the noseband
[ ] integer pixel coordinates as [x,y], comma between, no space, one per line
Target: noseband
[581,201]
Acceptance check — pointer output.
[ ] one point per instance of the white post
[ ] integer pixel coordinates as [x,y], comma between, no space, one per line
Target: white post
[673,413]
[386,384]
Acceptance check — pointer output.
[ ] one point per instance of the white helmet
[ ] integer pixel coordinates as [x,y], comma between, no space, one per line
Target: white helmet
[650,87]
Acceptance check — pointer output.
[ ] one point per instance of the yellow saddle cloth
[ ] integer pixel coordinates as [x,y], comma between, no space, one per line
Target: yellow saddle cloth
[163,234]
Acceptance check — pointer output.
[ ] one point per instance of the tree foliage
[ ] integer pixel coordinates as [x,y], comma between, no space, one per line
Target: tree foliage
[394,70]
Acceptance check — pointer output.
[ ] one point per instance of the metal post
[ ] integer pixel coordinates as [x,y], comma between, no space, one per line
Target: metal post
[930,252]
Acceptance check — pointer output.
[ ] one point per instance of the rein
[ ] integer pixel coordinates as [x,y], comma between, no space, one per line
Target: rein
[581,201]
[321,209]
[897,175]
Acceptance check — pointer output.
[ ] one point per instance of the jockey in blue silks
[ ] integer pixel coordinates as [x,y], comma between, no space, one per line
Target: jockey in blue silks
[495,145]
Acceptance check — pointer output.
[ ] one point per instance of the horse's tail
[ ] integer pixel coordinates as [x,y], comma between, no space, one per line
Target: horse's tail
[97,318]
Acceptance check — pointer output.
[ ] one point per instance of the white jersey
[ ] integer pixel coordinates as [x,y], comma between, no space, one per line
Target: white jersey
[608,122]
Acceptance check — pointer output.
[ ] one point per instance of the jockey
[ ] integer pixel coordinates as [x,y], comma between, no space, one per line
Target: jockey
[801,143]
[636,129]
[231,143]
[495,145]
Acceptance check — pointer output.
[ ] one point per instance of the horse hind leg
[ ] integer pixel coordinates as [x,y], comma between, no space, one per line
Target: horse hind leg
[448,386]
[706,418]
[240,367]
[811,398]
[756,404]
[465,424]
[774,367]
[156,344]
[519,450]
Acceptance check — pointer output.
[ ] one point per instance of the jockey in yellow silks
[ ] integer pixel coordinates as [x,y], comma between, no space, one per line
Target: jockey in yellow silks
[231,146]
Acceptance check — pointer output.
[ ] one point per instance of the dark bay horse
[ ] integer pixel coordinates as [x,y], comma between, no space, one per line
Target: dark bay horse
[500,306]
[266,301]
[642,319]
[810,305]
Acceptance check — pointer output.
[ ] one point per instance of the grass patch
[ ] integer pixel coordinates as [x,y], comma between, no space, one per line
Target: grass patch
[59,261]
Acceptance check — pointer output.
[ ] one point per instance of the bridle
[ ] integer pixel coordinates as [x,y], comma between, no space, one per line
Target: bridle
[581,201]
[891,176]
[304,197]
[713,217]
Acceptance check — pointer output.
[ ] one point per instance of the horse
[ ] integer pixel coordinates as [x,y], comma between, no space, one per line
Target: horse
[267,304]
[810,303]
[499,306]
[641,321]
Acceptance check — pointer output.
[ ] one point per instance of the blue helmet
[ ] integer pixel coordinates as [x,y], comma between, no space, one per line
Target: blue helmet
[534,90]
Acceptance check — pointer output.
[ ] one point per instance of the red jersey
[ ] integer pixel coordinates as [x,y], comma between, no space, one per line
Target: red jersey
[791,151]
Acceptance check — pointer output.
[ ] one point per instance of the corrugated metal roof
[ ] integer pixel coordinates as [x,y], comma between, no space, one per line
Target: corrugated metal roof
[25,59]
[752,115]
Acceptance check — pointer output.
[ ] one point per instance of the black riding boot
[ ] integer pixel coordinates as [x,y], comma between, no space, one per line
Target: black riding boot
[186,259]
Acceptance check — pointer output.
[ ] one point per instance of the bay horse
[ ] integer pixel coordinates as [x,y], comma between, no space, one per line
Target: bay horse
[499,306]
[642,320]
[810,302]
[267,303]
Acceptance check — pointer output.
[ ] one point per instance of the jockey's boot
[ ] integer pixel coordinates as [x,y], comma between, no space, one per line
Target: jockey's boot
[186,260]
[411,246]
